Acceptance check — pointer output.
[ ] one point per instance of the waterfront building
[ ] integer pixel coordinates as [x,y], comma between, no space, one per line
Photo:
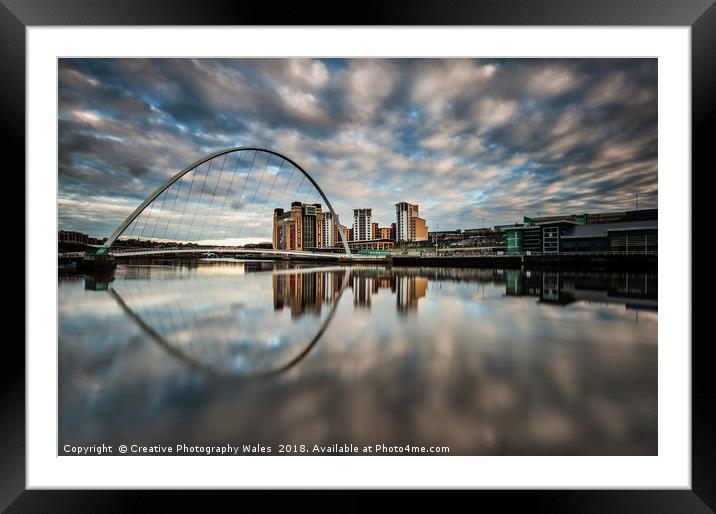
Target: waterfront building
[484,235]
[384,233]
[299,228]
[596,218]
[566,236]
[638,236]
[405,214]
[373,244]
[532,238]
[362,224]
[420,229]
[446,237]
[78,238]
[70,236]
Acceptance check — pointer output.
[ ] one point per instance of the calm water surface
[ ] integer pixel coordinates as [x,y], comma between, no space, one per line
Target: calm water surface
[487,362]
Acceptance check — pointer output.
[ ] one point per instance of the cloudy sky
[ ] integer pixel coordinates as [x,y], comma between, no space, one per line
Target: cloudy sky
[465,139]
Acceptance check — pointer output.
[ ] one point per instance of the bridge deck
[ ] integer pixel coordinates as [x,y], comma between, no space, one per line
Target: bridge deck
[238,251]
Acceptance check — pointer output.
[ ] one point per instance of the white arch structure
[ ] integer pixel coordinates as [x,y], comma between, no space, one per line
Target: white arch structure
[128,221]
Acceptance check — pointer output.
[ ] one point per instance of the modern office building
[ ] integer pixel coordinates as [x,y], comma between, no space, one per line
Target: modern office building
[537,239]
[567,236]
[595,218]
[300,228]
[362,224]
[639,236]
[405,214]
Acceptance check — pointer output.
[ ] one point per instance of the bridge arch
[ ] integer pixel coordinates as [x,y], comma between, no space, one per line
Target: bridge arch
[195,166]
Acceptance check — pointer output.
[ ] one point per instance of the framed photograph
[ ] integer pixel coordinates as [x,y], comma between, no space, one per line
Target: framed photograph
[419,251]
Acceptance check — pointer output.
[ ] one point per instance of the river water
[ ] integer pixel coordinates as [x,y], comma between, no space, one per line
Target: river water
[481,361]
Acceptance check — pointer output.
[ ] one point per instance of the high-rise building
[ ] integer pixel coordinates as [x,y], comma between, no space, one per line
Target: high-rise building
[331,237]
[409,227]
[362,224]
[300,228]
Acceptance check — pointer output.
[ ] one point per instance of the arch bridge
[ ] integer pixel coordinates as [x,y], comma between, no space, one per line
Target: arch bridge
[228,199]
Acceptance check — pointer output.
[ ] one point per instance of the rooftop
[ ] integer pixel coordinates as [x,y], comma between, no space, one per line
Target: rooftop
[600,230]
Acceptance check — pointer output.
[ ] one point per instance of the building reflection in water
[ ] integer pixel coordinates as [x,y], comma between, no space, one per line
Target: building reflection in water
[492,361]
[634,290]
[407,287]
[306,293]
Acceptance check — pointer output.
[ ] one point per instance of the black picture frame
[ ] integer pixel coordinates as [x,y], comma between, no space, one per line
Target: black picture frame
[699,15]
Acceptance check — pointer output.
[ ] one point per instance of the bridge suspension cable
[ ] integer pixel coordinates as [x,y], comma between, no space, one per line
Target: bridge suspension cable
[228,190]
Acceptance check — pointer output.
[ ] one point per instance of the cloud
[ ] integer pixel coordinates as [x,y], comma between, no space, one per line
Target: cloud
[551,81]
[494,113]
[464,138]
[303,106]
[440,82]
[367,83]
[306,73]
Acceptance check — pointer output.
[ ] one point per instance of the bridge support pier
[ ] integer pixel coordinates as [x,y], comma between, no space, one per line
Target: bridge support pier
[98,262]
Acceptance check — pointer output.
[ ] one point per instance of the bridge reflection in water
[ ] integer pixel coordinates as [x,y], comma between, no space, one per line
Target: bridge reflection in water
[221,326]
[212,326]
[485,361]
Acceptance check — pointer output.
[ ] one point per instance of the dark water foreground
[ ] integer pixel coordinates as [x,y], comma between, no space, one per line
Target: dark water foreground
[271,356]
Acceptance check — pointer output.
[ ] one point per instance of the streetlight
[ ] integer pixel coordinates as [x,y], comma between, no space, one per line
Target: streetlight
[435,235]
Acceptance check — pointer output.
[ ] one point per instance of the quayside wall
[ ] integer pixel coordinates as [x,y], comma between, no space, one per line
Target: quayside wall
[532,261]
